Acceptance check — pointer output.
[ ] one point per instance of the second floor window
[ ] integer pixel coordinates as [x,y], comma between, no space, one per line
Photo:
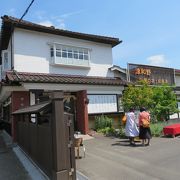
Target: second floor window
[73,55]
[5,59]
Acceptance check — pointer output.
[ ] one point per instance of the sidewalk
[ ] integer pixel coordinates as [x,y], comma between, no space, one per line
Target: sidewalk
[10,167]
[14,165]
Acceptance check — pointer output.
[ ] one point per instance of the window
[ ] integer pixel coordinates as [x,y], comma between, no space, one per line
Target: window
[69,55]
[102,103]
[5,59]
[52,52]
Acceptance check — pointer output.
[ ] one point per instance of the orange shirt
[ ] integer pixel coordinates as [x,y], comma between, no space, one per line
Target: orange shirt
[143,115]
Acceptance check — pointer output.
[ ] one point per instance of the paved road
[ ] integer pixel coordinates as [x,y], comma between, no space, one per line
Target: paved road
[113,159]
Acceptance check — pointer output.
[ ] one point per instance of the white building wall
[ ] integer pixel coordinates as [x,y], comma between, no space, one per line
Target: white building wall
[32,54]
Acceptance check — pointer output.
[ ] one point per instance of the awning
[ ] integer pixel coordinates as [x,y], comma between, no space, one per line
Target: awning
[34,109]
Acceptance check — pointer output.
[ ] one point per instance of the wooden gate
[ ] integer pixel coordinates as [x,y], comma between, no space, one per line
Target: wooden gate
[46,134]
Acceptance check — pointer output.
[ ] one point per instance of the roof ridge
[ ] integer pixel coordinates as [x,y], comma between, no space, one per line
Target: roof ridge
[64,75]
[17,21]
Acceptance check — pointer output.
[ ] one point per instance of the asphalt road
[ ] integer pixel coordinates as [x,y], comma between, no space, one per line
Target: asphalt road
[113,159]
[10,167]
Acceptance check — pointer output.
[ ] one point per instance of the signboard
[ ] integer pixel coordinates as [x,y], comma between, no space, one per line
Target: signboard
[102,103]
[152,74]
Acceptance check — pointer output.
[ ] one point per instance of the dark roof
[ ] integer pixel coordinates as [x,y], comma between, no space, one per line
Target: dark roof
[17,77]
[177,71]
[8,23]
[32,109]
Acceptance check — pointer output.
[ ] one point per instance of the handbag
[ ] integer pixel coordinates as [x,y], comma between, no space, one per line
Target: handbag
[145,123]
[124,119]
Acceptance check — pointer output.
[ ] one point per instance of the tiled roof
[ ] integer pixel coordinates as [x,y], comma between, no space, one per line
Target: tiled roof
[8,23]
[17,77]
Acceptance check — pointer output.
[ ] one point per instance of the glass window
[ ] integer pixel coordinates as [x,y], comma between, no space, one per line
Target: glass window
[5,60]
[86,57]
[69,52]
[75,54]
[80,55]
[58,54]
[52,52]
[64,53]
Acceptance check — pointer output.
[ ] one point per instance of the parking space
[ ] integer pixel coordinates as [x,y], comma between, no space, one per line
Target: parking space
[110,158]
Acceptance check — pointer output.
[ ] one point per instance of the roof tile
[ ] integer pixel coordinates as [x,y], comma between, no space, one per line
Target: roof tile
[16,77]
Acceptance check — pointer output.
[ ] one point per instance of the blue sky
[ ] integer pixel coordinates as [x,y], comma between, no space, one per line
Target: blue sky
[149,29]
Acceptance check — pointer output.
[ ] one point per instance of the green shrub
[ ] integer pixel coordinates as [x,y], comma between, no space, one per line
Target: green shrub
[156,129]
[101,122]
[122,132]
[108,131]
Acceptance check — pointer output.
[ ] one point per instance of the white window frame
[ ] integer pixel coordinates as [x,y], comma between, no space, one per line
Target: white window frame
[69,55]
[102,103]
[5,65]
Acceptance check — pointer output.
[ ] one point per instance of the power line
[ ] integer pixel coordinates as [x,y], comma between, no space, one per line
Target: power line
[26,11]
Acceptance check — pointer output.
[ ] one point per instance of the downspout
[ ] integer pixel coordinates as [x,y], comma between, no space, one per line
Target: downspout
[12,57]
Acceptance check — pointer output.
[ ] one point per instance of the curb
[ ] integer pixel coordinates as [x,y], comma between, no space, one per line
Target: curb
[81,176]
[33,170]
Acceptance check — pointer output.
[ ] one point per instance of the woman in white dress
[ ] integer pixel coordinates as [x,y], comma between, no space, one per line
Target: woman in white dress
[131,129]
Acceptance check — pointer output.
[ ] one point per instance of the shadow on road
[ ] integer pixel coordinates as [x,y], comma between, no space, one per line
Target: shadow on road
[125,142]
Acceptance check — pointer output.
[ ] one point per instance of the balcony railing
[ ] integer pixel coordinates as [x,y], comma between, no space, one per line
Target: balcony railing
[69,62]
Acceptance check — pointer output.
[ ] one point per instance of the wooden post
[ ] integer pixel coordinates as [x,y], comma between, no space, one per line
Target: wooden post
[60,139]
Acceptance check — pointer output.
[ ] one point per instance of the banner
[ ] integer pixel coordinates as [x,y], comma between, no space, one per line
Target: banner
[152,74]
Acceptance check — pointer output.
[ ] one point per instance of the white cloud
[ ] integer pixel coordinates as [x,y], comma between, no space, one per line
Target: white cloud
[158,60]
[46,23]
[61,25]
[40,15]
[57,21]
[66,15]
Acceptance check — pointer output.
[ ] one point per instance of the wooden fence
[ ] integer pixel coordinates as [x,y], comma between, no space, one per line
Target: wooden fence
[46,134]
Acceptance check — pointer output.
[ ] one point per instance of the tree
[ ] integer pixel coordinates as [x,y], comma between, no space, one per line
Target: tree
[160,100]
[164,102]
[137,96]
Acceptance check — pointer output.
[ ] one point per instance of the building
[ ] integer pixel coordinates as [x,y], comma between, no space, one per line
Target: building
[154,75]
[36,59]
[177,87]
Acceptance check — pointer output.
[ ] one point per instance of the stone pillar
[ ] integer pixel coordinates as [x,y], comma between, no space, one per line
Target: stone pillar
[19,99]
[82,112]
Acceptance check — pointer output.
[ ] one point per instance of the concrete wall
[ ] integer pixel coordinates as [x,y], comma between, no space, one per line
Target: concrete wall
[32,54]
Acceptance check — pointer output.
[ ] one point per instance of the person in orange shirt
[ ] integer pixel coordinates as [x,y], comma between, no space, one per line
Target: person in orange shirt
[144,129]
